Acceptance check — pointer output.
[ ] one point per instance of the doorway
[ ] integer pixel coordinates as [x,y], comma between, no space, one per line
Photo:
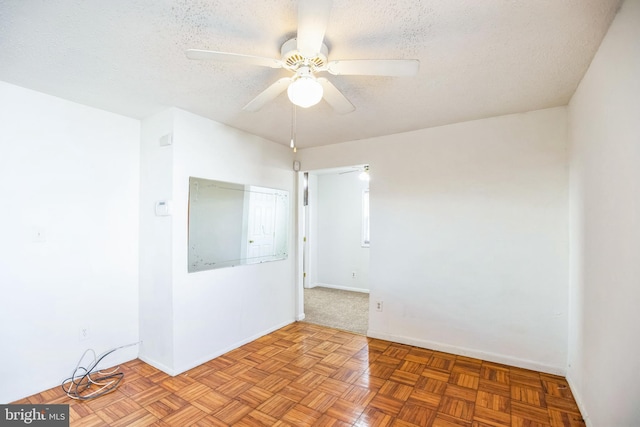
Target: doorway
[334,252]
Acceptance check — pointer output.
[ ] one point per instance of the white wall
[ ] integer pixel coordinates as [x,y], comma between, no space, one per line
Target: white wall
[604,130]
[469,244]
[156,273]
[339,236]
[70,172]
[217,310]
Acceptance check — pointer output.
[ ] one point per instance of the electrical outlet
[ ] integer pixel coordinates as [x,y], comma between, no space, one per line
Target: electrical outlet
[379,305]
[353,274]
[84,333]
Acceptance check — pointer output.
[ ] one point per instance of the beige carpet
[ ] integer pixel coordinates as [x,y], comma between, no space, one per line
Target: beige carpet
[338,309]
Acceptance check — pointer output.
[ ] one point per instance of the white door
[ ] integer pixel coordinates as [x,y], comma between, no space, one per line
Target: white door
[262,215]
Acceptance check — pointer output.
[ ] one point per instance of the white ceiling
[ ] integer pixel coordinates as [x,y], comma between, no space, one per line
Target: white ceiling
[478,58]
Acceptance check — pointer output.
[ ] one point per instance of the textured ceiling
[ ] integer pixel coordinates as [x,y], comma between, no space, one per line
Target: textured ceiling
[478,58]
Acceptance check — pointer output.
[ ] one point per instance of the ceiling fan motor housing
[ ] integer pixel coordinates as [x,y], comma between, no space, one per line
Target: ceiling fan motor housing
[293,59]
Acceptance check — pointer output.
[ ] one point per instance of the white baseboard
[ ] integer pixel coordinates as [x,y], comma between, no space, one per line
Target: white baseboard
[300,317]
[218,353]
[341,288]
[578,398]
[462,351]
[184,368]
[157,365]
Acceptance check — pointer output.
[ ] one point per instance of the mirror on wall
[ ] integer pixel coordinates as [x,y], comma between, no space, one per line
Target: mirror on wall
[235,224]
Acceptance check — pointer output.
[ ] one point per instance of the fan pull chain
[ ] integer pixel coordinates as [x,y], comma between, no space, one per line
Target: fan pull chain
[293,129]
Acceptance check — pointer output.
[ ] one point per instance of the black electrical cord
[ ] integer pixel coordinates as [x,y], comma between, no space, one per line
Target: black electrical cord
[83,378]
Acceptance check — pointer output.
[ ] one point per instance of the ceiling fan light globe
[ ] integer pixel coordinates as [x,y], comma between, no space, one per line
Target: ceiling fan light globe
[305,92]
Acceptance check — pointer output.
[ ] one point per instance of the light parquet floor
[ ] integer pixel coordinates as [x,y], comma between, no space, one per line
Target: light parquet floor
[309,375]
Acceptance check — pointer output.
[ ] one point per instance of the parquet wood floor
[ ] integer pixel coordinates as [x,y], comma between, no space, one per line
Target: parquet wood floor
[309,375]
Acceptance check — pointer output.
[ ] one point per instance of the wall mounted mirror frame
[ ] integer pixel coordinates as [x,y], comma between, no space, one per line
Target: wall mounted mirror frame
[235,224]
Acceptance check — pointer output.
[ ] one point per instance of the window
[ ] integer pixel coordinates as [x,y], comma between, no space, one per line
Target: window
[365,218]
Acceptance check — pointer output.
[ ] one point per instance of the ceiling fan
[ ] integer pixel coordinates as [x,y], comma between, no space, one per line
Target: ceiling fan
[305,56]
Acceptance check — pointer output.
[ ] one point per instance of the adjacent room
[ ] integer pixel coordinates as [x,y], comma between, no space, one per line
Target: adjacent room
[498,232]
[336,238]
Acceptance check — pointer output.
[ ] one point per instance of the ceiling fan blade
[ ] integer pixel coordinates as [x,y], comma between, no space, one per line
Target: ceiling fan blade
[233,57]
[268,94]
[335,98]
[313,18]
[375,67]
